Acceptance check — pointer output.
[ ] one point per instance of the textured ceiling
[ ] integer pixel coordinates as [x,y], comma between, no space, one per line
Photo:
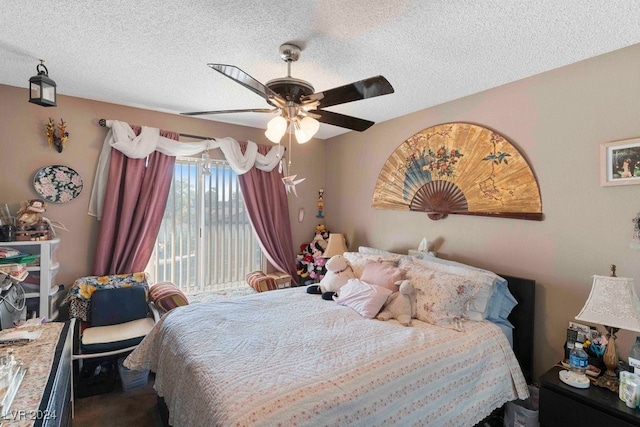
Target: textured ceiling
[152,54]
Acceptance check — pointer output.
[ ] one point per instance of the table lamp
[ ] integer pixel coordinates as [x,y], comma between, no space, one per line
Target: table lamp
[614,304]
[335,245]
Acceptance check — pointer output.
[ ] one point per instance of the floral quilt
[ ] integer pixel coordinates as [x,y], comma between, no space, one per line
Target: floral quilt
[290,358]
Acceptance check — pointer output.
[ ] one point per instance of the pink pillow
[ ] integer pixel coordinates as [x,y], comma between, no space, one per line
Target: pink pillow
[363,297]
[382,274]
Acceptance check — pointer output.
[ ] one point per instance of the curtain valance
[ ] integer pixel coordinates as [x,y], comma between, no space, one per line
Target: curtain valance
[122,138]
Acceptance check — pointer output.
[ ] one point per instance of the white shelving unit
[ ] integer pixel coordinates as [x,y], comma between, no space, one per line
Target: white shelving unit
[46,271]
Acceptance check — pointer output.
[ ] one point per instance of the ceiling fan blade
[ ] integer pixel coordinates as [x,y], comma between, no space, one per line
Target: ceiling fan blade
[239,76]
[363,89]
[248,110]
[341,120]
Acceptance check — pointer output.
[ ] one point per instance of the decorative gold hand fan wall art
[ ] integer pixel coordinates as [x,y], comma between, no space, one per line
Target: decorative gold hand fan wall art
[458,168]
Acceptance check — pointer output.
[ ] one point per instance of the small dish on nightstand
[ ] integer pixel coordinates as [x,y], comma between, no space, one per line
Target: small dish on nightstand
[592,371]
[574,380]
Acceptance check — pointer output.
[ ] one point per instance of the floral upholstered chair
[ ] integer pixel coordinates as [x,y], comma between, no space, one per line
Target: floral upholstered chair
[79,296]
[110,316]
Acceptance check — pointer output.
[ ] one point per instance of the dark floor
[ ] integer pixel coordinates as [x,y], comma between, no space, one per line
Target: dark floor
[118,408]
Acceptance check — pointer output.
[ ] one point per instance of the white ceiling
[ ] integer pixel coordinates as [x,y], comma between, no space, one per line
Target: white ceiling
[152,54]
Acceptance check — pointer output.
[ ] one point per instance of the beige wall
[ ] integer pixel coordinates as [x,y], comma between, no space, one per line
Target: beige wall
[558,120]
[24,150]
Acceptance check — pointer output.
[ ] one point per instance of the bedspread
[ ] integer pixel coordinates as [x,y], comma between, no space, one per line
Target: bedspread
[290,358]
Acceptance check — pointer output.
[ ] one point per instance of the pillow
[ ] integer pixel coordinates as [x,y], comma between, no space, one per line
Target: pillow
[373,251]
[493,302]
[358,260]
[261,282]
[441,297]
[382,274]
[364,298]
[501,304]
[166,296]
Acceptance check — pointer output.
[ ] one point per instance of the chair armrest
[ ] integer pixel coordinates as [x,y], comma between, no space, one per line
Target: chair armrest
[154,311]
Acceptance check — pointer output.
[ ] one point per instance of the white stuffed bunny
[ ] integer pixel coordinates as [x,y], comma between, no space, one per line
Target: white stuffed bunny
[400,305]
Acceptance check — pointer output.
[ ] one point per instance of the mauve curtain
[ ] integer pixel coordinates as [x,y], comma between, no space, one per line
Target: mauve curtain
[266,200]
[135,200]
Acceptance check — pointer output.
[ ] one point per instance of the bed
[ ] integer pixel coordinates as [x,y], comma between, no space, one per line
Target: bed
[287,357]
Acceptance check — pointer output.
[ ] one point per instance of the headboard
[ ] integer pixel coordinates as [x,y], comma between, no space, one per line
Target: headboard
[522,316]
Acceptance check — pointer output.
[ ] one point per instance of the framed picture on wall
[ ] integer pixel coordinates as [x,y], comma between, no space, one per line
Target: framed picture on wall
[620,162]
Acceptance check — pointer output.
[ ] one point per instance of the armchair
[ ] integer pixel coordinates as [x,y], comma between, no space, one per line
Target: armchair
[119,318]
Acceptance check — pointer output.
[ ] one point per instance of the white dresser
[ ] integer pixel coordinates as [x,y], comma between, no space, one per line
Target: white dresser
[42,278]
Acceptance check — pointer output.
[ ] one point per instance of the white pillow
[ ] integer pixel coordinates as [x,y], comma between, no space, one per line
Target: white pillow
[373,251]
[358,260]
[364,298]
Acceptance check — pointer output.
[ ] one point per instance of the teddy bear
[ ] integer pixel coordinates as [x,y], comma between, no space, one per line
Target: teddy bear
[338,273]
[401,305]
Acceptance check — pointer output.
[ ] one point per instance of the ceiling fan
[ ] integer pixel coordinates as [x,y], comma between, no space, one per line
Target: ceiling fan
[297,102]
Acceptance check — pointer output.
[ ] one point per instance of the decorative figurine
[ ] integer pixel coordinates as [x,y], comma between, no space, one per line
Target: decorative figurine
[54,140]
[320,203]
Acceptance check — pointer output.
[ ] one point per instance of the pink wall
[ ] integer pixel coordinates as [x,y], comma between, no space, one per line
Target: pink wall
[24,150]
[558,121]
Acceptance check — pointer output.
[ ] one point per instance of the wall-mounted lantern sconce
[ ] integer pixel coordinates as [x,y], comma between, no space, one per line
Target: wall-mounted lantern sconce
[42,90]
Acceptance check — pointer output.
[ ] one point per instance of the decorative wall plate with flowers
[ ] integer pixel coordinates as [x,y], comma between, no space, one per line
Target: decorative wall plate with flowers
[57,183]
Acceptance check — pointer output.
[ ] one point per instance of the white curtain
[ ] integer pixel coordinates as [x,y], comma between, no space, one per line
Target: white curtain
[122,138]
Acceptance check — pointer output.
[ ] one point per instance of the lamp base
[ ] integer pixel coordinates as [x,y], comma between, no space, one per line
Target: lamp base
[605,381]
[610,358]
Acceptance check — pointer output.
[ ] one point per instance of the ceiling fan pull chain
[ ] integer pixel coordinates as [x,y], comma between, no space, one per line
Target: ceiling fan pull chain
[290,152]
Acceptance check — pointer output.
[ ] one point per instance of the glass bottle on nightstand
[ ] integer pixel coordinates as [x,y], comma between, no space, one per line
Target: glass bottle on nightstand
[634,356]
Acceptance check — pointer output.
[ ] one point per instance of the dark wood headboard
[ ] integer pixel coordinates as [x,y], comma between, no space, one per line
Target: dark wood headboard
[522,316]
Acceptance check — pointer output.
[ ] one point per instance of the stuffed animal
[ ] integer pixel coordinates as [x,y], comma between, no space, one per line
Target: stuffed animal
[321,237]
[401,305]
[338,273]
[30,212]
[310,261]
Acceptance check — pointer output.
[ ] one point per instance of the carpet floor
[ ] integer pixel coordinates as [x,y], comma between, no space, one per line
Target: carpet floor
[118,408]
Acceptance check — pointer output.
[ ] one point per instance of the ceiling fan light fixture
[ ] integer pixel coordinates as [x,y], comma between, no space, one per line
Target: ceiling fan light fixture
[278,124]
[276,129]
[309,125]
[305,128]
[273,136]
[301,135]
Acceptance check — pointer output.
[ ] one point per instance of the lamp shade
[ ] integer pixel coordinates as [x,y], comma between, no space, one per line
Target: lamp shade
[612,302]
[306,128]
[273,136]
[276,129]
[335,245]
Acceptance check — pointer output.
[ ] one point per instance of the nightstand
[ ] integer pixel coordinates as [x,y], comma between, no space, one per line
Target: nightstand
[563,405]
